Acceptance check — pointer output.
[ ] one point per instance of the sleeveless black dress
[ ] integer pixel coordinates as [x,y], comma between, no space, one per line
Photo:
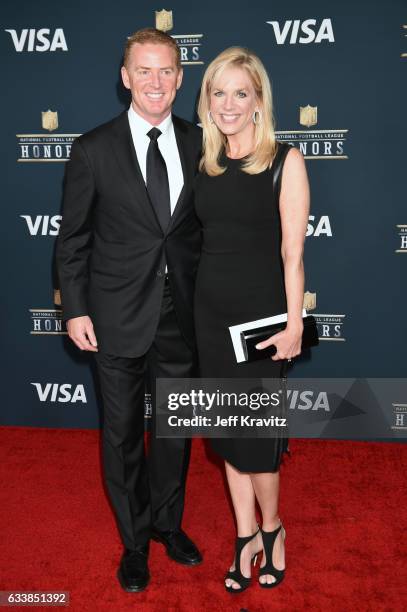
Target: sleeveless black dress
[240,278]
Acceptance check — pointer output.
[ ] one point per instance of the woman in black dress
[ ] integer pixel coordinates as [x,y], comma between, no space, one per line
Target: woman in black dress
[252,198]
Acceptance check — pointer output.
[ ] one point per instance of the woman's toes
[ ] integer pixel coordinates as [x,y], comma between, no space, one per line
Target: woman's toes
[267,579]
[231,583]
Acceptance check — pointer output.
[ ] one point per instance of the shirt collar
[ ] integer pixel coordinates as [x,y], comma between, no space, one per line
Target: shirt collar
[142,126]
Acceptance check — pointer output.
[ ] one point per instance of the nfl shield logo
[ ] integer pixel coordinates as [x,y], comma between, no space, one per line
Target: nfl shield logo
[163,20]
[310,300]
[49,120]
[308,115]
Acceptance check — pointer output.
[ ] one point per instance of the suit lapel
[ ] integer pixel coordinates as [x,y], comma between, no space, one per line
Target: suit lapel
[123,149]
[182,144]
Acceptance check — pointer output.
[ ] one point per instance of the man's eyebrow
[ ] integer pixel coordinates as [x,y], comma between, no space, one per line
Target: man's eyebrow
[149,67]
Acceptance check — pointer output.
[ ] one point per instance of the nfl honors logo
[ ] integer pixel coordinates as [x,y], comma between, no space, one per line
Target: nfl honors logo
[316,143]
[310,301]
[330,326]
[163,20]
[49,120]
[402,234]
[190,44]
[399,417]
[48,321]
[308,115]
[45,147]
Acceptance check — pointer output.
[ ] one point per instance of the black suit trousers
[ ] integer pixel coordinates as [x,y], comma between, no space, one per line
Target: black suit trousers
[145,489]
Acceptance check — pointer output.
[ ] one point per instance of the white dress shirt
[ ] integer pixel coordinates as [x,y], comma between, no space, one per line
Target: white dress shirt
[168,148]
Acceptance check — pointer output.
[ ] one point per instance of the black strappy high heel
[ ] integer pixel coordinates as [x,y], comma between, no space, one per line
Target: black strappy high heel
[236,574]
[269,538]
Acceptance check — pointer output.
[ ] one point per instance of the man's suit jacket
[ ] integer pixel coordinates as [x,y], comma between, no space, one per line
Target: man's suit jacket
[112,252]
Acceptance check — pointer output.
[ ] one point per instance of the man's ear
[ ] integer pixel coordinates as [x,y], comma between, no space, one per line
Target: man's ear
[179,77]
[125,77]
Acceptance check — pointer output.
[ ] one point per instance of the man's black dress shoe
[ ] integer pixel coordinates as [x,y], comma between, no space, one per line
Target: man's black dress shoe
[179,547]
[133,572]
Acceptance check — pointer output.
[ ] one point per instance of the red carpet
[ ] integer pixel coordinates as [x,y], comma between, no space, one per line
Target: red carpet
[343,505]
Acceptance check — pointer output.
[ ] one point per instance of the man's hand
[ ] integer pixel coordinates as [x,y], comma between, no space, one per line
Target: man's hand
[80,331]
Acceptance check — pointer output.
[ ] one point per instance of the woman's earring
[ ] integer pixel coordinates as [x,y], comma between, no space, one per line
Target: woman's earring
[256,121]
[210,117]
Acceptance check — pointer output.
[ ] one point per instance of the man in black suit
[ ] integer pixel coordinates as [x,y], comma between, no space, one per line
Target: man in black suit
[127,255]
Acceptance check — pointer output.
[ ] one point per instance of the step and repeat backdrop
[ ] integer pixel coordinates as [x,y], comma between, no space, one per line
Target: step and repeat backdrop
[338,72]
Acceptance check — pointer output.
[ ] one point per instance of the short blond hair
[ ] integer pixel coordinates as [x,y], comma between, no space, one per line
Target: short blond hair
[155,37]
[213,139]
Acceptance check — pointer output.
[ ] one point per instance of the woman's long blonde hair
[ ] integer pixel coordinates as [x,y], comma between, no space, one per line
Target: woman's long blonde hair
[213,139]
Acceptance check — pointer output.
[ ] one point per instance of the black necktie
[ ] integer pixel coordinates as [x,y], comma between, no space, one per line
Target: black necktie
[157,180]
